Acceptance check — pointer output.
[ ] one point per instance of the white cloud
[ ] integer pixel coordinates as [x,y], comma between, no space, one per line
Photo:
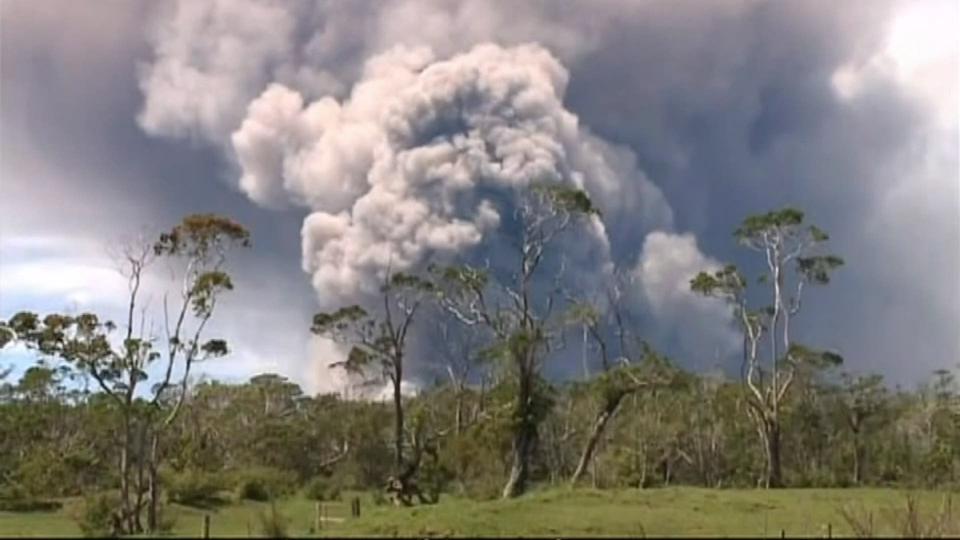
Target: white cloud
[702,326]
[920,52]
[46,268]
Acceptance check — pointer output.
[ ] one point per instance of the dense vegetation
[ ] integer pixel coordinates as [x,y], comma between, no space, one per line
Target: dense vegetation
[83,422]
[61,442]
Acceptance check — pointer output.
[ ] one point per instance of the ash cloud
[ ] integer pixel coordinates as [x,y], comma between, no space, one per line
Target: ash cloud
[730,109]
[410,164]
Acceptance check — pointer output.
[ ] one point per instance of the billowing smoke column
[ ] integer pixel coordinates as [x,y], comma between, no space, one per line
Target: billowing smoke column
[410,157]
[410,165]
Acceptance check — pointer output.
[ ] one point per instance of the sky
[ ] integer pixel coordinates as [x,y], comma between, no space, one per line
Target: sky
[349,136]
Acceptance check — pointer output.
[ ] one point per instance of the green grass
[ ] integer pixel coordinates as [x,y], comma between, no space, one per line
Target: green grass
[585,512]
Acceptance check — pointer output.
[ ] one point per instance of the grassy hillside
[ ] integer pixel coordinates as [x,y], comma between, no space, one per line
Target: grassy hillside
[669,511]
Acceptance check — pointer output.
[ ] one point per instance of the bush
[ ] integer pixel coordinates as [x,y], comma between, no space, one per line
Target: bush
[194,488]
[323,489]
[165,522]
[912,522]
[15,498]
[29,505]
[273,524]
[263,484]
[95,515]
[485,488]
[378,497]
[13,490]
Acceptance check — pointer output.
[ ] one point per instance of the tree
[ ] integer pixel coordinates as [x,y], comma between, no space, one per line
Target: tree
[862,398]
[522,326]
[789,250]
[621,376]
[200,242]
[378,346]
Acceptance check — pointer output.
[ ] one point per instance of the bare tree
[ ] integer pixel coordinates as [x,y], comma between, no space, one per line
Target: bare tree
[521,323]
[631,372]
[378,347]
[789,249]
[118,369]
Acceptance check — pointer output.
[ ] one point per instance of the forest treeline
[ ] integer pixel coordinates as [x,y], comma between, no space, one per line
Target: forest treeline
[838,432]
[89,417]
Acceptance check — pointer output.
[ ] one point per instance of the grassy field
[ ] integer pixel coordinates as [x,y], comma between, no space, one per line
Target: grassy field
[654,512]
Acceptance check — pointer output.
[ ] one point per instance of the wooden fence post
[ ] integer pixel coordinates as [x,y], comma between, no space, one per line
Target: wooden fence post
[829,530]
[205,533]
[318,516]
[355,507]
[783,533]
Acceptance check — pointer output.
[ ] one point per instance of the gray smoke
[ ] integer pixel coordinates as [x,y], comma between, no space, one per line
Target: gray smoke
[395,125]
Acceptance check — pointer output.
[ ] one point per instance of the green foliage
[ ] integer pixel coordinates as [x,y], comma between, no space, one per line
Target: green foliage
[760,224]
[95,515]
[6,334]
[912,521]
[29,505]
[322,488]
[194,488]
[817,269]
[378,497]
[460,276]
[43,472]
[205,289]
[263,483]
[202,235]
[400,280]
[339,320]
[566,199]
[273,523]
[803,355]
[726,282]
[80,339]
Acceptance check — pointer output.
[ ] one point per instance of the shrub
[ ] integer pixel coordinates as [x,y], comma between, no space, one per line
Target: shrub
[378,497]
[165,522]
[485,487]
[194,488]
[263,484]
[323,489]
[95,515]
[860,520]
[29,505]
[912,522]
[15,498]
[12,490]
[273,524]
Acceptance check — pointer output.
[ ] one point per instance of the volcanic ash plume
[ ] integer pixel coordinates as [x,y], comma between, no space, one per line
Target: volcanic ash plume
[412,163]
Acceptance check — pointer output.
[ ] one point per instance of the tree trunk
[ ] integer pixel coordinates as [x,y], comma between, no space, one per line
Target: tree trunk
[519,470]
[857,460]
[599,426]
[458,426]
[153,487]
[523,435]
[774,478]
[398,427]
[127,512]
